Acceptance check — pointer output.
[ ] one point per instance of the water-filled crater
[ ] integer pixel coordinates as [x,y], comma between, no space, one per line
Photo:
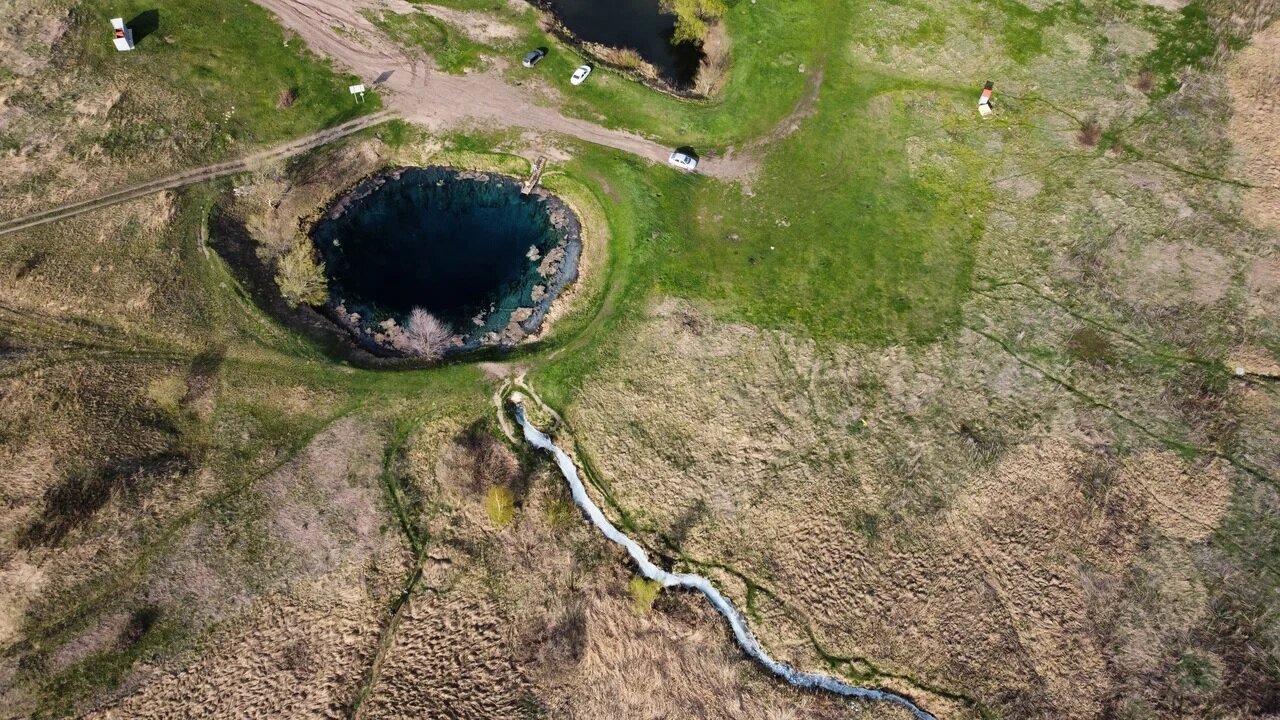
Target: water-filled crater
[483,260]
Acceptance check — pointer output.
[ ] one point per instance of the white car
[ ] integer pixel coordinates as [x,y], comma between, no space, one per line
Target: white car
[683,161]
[580,74]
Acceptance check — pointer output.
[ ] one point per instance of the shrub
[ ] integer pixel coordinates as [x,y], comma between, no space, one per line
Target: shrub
[1090,133]
[643,593]
[692,17]
[1146,82]
[625,58]
[1091,346]
[425,335]
[300,276]
[500,504]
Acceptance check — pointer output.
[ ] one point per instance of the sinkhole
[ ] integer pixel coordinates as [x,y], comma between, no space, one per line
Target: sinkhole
[467,248]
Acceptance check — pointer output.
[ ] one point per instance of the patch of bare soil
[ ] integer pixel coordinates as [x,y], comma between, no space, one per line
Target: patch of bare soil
[35,26]
[475,24]
[1253,77]
[300,648]
[1165,273]
[326,505]
[1262,283]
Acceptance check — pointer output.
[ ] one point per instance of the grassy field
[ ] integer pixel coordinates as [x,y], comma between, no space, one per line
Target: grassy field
[205,82]
[771,44]
[940,401]
[199,52]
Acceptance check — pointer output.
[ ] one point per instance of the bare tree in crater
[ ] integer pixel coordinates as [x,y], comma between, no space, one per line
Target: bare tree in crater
[425,335]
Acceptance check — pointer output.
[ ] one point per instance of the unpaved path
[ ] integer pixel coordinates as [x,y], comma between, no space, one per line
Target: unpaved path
[191,177]
[439,100]
[415,90]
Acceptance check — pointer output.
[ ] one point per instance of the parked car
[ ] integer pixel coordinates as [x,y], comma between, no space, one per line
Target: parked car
[580,74]
[682,160]
[534,57]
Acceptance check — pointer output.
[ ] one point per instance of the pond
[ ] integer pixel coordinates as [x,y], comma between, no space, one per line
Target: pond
[468,248]
[640,25]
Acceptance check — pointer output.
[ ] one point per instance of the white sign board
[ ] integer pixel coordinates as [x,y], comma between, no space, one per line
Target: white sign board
[356,89]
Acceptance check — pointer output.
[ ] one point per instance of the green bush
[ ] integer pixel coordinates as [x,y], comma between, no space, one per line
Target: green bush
[300,276]
[693,16]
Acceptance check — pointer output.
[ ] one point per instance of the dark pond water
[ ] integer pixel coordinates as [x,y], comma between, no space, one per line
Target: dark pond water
[637,24]
[454,245]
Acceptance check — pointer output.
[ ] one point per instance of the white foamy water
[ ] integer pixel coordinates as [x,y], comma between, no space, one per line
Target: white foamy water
[746,640]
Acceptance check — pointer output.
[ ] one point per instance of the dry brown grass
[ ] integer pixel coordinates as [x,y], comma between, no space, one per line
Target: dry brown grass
[119,267]
[713,71]
[538,619]
[287,98]
[1253,78]
[890,546]
[624,59]
[449,659]
[55,116]
[288,657]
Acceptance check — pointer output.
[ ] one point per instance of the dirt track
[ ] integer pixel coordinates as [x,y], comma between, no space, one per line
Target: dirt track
[439,100]
[191,177]
[413,89]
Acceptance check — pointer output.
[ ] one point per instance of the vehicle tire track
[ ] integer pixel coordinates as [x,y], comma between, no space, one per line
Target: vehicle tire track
[197,175]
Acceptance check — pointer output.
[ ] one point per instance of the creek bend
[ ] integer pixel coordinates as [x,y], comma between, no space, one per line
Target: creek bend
[466,247]
[737,623]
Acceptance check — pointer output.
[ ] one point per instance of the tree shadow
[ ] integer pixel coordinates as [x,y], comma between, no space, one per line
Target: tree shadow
[144,24]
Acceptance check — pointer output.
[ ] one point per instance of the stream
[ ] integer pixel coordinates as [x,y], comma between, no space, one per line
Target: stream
[746,640]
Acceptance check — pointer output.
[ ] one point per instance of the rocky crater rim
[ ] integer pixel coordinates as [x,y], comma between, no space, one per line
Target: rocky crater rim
[382,284]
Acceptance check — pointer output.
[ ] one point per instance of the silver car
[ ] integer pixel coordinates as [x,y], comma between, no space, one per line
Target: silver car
[683,161]
[534,57]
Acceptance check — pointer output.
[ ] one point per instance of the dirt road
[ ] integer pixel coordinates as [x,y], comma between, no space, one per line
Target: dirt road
[191,177]
[439,100]
[416,91]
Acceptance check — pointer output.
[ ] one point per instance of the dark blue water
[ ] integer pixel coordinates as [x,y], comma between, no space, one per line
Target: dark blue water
[637,24]
[454,246]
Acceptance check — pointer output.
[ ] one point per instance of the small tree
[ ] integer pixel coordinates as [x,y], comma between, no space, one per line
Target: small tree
[692,17]
[425,335]
[300,276]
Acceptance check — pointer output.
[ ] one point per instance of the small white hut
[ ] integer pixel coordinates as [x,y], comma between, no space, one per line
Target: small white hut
[124,36]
